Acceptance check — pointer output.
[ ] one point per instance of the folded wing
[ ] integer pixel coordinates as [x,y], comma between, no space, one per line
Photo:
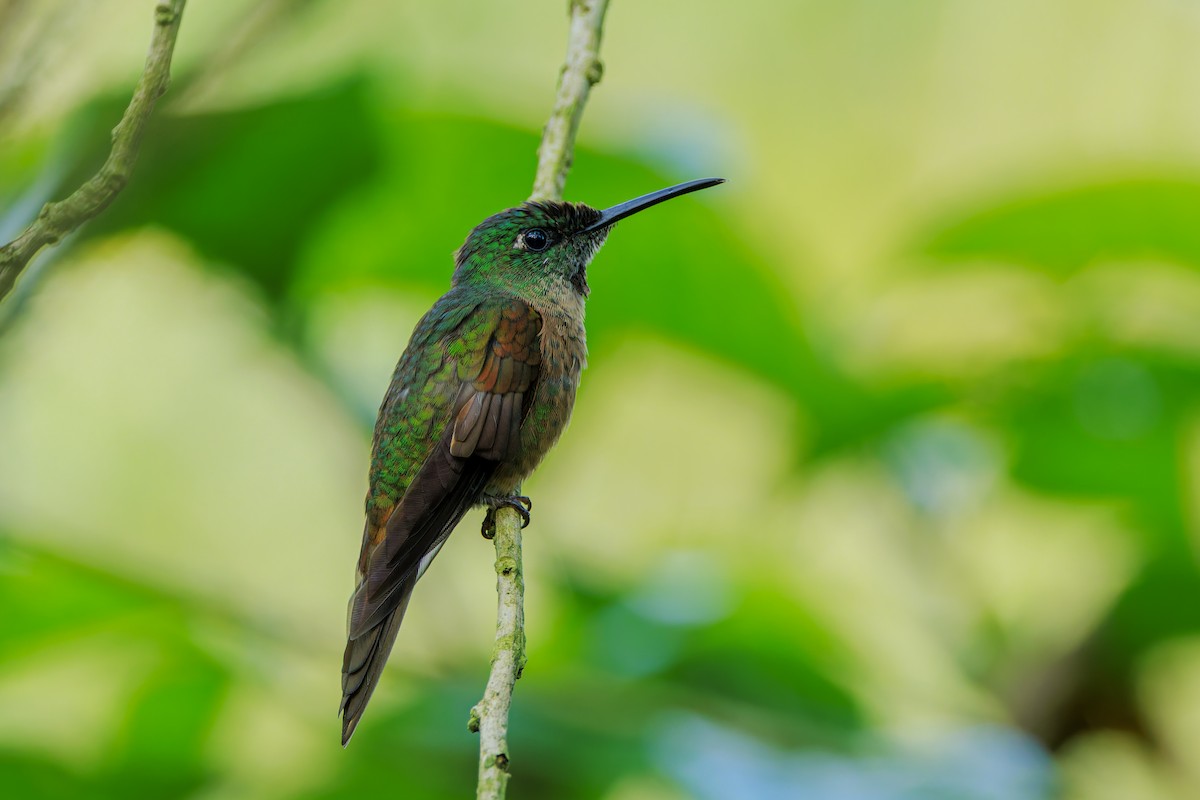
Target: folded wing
[481,428]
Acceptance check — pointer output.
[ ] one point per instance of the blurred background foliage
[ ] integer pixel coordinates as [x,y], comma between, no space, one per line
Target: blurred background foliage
[883,479]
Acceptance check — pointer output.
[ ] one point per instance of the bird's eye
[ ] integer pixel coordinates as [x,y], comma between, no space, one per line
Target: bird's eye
[536,240]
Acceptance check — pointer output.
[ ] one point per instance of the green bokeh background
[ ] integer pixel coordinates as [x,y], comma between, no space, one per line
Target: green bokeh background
[883,478]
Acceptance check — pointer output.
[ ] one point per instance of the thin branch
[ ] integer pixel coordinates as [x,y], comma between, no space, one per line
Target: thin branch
[490,716]
[581,71]
[57,220]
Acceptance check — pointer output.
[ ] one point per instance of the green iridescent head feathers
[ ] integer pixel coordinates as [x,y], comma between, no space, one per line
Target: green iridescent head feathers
[532,245]
[546,246]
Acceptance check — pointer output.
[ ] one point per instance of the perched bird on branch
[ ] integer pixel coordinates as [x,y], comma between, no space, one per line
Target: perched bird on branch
[481,393]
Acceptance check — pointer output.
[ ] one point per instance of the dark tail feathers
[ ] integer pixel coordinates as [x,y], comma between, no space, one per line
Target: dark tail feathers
[363,663]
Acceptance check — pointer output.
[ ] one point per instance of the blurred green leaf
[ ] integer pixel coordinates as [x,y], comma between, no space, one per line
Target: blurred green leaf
[1105,424]
[28,775]
[162,745]
[1064,230]
[1152,610]
[773,654]
[45,596]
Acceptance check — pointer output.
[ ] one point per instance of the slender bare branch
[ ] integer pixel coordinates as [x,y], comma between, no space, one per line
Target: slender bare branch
[581,71]
[57,220]
[490,716]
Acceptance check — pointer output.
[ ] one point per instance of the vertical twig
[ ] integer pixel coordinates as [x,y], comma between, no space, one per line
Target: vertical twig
[56,220]
[490,716]
[581,71]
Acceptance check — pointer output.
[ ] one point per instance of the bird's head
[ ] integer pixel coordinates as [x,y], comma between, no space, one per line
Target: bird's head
[544,248]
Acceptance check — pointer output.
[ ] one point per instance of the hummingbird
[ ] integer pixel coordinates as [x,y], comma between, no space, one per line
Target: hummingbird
[483,390]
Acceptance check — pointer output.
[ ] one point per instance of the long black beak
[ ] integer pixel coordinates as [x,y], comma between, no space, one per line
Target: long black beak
[618,212]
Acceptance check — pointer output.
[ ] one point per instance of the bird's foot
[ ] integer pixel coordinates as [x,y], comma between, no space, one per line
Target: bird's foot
[519,503]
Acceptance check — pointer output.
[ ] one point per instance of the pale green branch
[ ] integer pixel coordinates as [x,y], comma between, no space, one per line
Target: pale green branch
[57,220]
[581,71]
[490,716]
